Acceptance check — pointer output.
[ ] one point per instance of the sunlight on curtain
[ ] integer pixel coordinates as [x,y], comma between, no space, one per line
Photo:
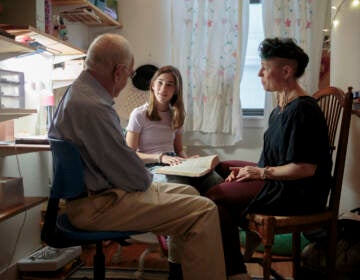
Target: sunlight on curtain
[209,41]
[303,21]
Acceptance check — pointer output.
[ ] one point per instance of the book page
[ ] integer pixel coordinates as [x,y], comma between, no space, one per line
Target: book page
[191,167]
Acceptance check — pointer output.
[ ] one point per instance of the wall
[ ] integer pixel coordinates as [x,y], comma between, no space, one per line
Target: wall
[147,25]
[345,71]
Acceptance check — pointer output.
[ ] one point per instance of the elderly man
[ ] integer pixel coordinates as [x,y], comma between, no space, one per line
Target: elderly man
[121,193]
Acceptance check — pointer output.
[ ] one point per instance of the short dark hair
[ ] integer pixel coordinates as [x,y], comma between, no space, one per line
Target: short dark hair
[284,48]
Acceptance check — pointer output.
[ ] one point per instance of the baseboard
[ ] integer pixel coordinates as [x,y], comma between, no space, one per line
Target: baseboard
[10,273]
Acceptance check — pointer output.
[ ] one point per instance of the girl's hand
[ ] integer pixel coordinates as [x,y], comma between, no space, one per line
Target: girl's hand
[246,173]
[171,160]
[194,156]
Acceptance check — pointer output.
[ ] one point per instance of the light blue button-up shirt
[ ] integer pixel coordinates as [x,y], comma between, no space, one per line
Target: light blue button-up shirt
[86,117]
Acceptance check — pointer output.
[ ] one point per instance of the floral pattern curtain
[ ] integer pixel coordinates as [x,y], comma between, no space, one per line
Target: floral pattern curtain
[303,20]
[208,46]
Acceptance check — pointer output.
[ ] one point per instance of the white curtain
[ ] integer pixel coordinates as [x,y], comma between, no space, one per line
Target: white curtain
[303,21]
[208,46]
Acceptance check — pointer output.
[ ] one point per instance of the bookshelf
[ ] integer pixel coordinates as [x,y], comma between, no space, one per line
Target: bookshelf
[85,12]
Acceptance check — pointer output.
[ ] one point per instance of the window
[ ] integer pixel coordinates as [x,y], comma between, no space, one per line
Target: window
[252,93]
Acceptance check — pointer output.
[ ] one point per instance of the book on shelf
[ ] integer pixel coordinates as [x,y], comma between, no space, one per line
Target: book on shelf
[191,167]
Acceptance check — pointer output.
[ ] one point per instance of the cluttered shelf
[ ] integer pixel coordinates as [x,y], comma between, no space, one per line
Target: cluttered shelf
[9,48]
[28,35]
[29,202]
[85,12]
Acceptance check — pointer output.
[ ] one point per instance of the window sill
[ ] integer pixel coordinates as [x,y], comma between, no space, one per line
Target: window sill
[254,121]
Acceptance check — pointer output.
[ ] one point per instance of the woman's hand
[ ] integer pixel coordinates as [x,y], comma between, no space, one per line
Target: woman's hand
[171,160]
[246,173]
[290,171]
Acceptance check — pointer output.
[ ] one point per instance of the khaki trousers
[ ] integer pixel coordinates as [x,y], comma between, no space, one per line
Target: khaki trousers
[166,209]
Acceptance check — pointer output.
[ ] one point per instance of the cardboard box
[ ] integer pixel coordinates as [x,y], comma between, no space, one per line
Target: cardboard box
[11,192]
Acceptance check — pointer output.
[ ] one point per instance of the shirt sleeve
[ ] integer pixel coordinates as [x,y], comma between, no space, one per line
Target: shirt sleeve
[179,131]
[136,121]
[109,162]
[308,135]
[119,163]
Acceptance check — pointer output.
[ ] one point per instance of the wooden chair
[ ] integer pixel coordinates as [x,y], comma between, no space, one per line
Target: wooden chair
[336,106]
[327,99]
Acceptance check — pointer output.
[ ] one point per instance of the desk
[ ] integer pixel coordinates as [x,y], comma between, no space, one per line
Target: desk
[28,203]
[14,149]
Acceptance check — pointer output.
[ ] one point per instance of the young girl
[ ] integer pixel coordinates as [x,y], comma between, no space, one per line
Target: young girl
[155,129]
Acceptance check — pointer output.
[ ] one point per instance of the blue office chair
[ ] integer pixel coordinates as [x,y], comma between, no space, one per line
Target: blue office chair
[68,183]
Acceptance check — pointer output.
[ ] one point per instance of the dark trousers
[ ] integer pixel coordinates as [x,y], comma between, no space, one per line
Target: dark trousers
[232,199]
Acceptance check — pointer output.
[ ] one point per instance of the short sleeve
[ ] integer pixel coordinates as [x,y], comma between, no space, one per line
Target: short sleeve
[308,136]
[135,121]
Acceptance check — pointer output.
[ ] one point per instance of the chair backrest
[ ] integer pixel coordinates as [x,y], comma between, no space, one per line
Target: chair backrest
[336,106]
[68,179]
[330,100]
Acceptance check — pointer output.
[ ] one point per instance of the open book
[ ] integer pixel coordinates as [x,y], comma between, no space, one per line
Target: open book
[191,167]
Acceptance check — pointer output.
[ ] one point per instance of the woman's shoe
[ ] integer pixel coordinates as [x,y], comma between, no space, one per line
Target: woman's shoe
[241,276]
[252,241]
[175,271]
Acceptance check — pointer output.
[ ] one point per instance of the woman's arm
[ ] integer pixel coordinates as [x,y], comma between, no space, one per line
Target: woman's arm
[178,146]
[132,140]
[291,171]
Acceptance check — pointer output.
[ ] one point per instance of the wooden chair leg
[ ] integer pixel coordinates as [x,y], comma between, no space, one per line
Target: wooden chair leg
[268,241]
[296,254]
[99,262]
[331,253]
[267,262]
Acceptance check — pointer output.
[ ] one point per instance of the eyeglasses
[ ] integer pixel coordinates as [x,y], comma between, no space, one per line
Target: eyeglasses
[132,75]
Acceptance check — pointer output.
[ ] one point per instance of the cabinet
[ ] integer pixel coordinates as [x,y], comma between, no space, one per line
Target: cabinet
[29,202]
[11,89]
[7,150]
[14,149]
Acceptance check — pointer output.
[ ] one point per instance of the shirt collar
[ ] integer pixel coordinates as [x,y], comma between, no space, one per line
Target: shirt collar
[98,88]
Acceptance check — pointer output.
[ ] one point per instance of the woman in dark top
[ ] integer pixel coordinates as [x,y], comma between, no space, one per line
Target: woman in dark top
[294,171]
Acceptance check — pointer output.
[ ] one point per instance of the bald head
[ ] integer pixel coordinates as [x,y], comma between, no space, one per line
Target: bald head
[107,51]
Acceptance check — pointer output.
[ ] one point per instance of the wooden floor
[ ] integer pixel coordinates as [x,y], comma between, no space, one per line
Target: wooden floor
[284,268]
[128,256]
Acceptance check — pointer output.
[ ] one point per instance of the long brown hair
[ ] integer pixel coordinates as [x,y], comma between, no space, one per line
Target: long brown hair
[176,102]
